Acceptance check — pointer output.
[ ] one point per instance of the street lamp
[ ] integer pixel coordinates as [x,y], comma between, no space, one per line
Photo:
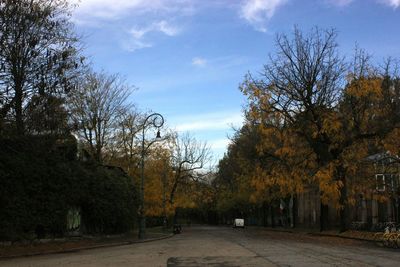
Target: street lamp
[157,120]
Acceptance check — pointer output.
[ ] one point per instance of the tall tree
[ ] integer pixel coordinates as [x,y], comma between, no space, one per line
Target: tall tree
[38,55]
[126,144]
[189,159]
[318,117]
[96,106]
[47,115]
[299,86]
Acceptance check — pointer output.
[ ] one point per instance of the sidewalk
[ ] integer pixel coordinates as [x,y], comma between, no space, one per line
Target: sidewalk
[73,244]
[350,234]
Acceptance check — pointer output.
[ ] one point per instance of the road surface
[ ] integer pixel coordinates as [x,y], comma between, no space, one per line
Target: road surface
[225,246]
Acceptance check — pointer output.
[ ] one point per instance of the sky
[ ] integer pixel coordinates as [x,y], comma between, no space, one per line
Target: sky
[187,58]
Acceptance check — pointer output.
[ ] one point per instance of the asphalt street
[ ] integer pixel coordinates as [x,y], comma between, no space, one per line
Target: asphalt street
[225,246]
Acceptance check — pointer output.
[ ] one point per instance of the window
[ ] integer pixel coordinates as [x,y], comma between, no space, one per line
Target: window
[394,181]
[380,182]
[384,180]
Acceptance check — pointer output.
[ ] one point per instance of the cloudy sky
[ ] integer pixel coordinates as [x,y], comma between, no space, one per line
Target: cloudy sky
[188,57]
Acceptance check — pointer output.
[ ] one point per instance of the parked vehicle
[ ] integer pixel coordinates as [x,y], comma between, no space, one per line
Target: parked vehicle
[177,229]
[238,223]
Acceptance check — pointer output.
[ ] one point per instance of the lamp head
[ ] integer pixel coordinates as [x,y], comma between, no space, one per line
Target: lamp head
[158,135]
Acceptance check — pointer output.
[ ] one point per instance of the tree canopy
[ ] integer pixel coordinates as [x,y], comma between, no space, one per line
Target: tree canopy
[314,116]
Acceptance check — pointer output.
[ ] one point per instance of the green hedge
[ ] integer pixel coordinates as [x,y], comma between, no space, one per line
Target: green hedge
[40,180]
[109,203]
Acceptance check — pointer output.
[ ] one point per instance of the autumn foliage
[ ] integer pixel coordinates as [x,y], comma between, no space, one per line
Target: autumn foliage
[311,119]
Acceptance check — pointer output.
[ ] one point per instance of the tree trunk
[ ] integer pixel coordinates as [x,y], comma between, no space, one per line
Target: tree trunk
[18,109]
[323,218]
[265,214]
[294,211]
[344,210]
[98,156]
[272,216]
[175,220]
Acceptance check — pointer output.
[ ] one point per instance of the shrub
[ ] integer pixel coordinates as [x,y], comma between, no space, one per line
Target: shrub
[40,180]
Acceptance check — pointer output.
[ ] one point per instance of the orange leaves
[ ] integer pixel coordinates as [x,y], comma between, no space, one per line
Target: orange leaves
[392,142]
[365,88]
[332,125]
[353,155]
[366,105]
[328,186]
[381,198]
[304,137]
[153,188]
[284,151]
[259,179]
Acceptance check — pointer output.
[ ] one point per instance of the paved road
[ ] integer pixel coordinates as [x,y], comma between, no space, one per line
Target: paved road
[223,246]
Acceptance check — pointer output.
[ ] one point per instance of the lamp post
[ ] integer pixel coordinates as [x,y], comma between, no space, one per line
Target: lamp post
[157,120]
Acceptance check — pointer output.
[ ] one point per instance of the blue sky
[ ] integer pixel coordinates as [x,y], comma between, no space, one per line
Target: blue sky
[188,57]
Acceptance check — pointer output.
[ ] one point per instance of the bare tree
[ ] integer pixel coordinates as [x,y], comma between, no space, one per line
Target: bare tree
[305,75]
[127,143]
[95,108]
[38,55]
[189,159]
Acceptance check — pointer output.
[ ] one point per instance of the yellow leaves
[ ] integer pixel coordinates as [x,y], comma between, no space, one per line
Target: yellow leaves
[365,103]
[274,183]
[295,149]
[256,91]
[381,198]
[153,189]
[352,201]
[258,179]
[353,155]
[392,142]
[285,151]
[329,187]
[331,124]
[365,87]
[158,183]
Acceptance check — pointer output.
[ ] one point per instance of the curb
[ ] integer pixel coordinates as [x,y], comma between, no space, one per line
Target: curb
[319,234]
[72,250]
[344,237]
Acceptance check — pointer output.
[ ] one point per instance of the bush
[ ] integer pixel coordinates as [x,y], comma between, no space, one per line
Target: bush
[109,205]
[40,180]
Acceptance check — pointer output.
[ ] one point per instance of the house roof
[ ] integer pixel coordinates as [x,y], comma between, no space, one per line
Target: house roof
[383,156]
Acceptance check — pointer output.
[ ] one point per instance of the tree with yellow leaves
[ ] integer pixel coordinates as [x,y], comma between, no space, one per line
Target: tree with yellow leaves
[175,171]
[314,124]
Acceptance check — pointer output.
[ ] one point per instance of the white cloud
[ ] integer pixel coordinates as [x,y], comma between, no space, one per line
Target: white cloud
[160,26]
[137,35]
[212,121]
[393,3]
[135,44]
[219,63]
[114,9]
[258,12]
[220,143]
[166,28]
[199,62]
[105,9]
[155,15]
[214,128]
